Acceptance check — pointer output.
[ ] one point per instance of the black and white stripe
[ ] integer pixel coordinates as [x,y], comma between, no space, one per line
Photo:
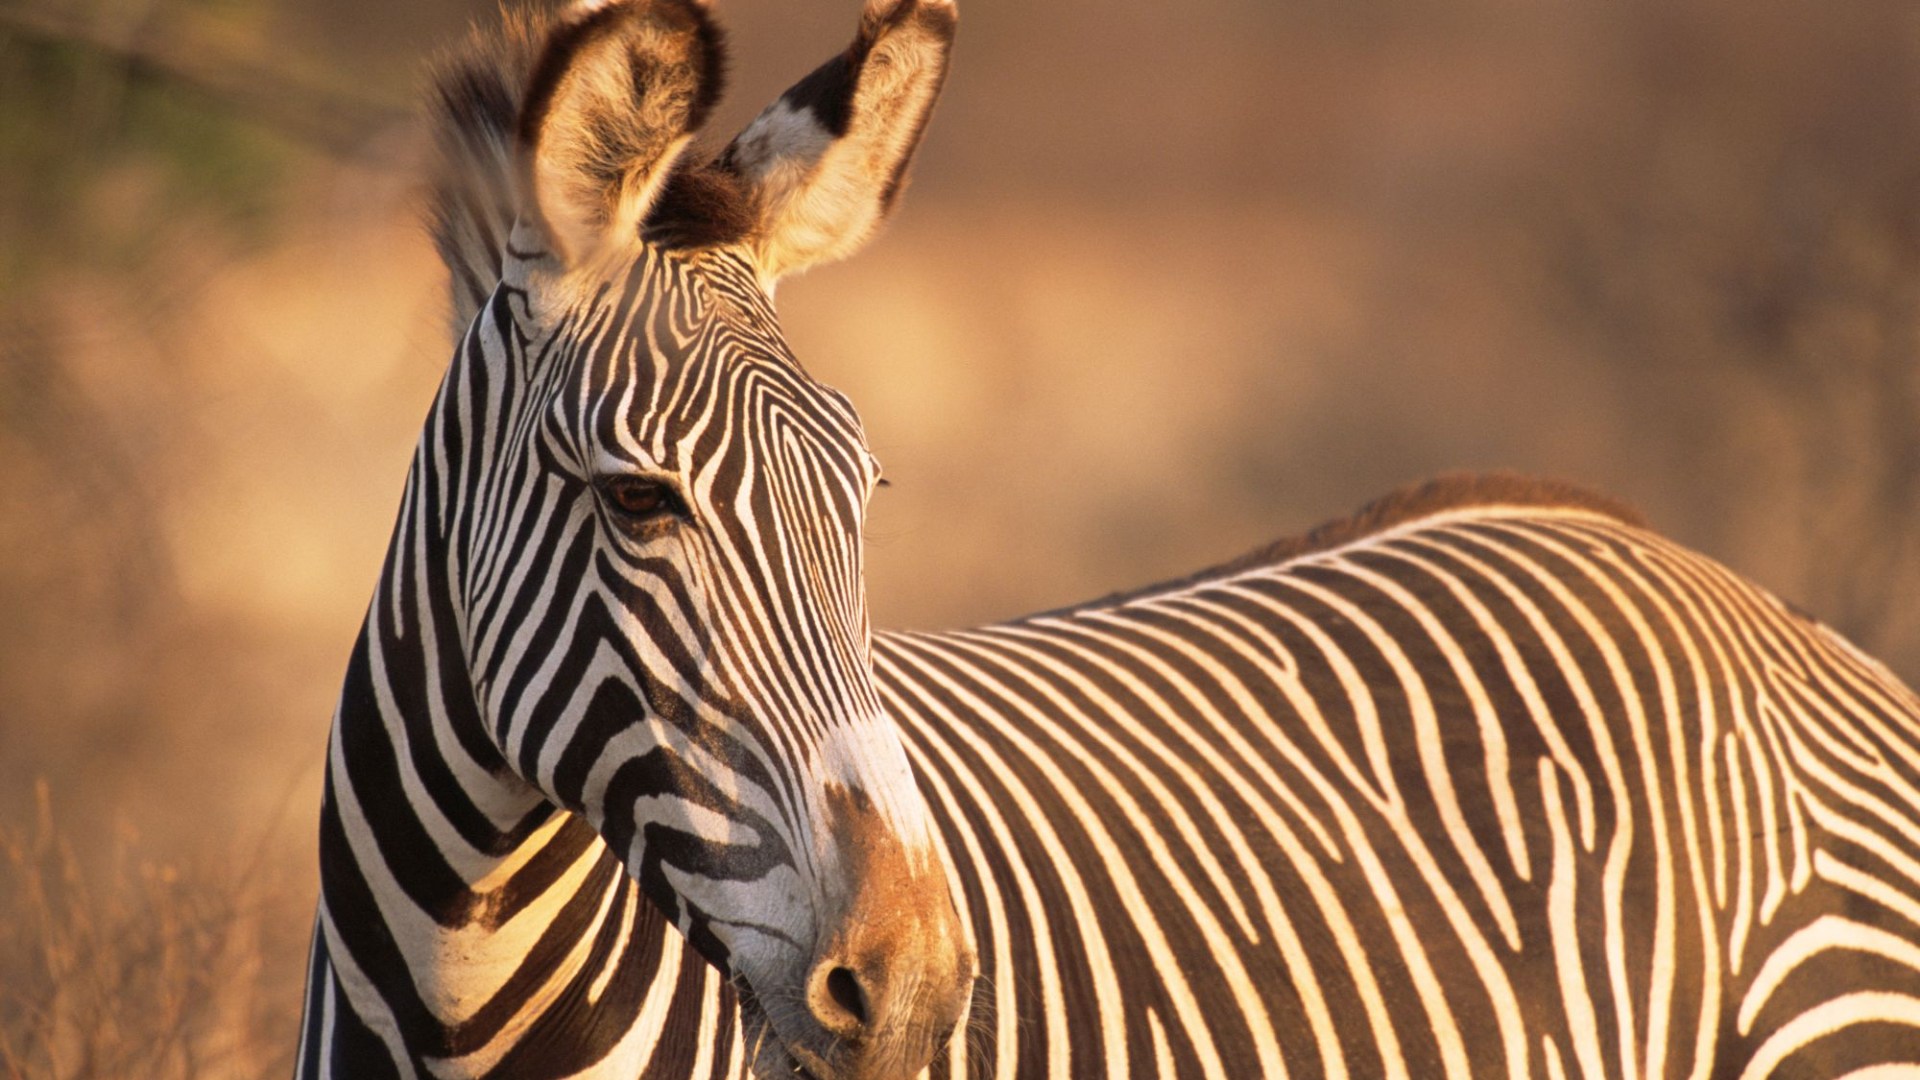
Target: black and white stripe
[1501,790]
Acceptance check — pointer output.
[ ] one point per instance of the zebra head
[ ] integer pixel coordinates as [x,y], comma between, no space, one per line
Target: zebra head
[661,561]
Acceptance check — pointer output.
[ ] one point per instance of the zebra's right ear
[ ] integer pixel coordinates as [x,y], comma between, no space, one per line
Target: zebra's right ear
[825,162]
[618,90]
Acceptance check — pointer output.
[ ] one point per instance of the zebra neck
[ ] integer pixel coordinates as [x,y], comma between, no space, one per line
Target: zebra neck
[447,882]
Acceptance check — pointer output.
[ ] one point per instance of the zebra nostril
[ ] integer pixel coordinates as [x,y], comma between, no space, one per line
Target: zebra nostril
[839,1000]
[844,987]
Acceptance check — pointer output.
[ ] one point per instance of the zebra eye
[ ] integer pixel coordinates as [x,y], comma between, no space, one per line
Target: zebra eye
[641,500]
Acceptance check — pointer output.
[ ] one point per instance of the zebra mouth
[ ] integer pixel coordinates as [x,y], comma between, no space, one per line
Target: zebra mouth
[768,1055]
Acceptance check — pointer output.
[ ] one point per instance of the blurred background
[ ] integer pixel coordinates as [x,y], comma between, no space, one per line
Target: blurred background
[1174,279]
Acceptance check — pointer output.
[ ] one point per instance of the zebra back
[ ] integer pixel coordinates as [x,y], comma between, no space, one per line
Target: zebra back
[1486,780]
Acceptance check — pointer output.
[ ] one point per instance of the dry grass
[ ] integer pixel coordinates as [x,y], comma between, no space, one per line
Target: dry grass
[121,967]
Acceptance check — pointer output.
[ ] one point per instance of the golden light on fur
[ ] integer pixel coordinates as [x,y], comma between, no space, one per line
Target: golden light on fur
[613,101]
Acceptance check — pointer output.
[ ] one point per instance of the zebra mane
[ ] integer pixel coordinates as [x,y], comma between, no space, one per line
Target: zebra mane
[1443,494]
[472,108]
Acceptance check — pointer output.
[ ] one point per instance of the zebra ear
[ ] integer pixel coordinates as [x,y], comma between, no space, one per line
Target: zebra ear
[618,90]
[827,159]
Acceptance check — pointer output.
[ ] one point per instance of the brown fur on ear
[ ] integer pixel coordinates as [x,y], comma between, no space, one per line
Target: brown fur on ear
[616,94]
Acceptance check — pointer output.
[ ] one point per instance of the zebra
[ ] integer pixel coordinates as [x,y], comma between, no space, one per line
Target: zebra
[616,670]
[1486,779]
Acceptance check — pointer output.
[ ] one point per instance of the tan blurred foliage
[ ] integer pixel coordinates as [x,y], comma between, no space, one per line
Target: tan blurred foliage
[136,969]
[1173,279]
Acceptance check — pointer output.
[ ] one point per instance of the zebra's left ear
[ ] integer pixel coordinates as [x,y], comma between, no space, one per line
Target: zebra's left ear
[827,159]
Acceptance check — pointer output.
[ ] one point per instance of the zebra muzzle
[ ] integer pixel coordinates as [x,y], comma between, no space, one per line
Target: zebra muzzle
[892,970]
